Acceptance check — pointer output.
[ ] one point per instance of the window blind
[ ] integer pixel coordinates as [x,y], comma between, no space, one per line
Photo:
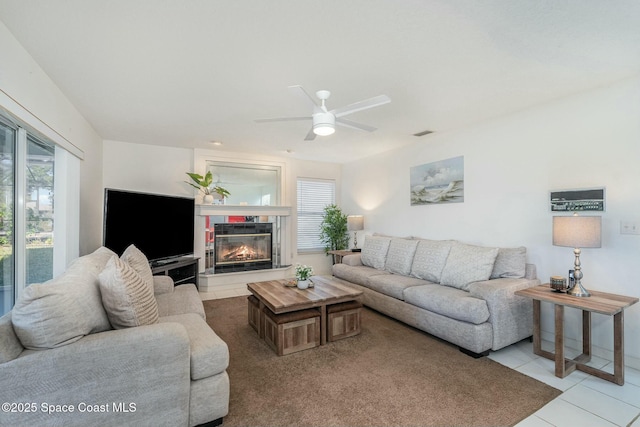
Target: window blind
[313,196]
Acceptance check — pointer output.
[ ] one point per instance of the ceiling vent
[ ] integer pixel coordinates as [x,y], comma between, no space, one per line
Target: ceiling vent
[423,133]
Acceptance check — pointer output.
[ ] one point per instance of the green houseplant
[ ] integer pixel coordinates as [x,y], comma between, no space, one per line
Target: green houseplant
[333,229]
[203,183]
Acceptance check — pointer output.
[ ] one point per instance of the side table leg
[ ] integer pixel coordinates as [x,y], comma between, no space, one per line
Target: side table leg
[537,339]
[559,320]
[618,348]
[586,335]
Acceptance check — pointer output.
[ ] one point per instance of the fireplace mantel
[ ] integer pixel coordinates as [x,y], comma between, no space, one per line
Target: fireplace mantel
[242,210]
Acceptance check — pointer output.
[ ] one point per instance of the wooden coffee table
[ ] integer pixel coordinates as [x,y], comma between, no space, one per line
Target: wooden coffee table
[279,298]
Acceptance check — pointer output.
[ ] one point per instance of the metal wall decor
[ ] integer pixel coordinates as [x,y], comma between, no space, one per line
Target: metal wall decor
[591,199]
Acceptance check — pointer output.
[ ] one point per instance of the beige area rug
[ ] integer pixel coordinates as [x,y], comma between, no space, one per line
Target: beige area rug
[389,375]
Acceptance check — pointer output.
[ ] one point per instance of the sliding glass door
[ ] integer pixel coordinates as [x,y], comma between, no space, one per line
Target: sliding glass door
[26,211]
[39,211]
[7,164]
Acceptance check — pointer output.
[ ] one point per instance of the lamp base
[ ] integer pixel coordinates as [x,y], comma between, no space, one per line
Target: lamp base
[578,291]
[356,250]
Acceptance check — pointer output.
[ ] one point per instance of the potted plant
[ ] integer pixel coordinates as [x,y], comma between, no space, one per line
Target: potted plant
[221,191]
[303,274]
[333,229]
[203,183]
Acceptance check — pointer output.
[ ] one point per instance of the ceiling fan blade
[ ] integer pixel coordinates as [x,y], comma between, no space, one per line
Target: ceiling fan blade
[361,105]
[282,119]
[299,90]
[310,136]
[353,125]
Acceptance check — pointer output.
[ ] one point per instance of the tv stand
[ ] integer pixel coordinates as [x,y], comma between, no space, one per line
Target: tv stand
[181,270]
[163,262]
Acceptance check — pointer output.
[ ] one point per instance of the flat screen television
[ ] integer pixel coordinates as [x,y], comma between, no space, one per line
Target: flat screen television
[161,226]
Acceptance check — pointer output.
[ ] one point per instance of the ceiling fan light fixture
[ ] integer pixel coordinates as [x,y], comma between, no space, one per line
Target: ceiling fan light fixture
[323,130]
[324,124]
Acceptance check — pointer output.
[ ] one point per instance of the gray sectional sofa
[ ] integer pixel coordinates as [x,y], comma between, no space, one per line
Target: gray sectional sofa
[461,293]
[106,343]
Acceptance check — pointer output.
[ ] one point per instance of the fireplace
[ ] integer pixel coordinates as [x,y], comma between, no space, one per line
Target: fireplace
[242,247]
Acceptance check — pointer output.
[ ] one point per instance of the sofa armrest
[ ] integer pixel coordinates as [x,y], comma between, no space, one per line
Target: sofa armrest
[130,373]
[510,315]
[162,285]
[353,259]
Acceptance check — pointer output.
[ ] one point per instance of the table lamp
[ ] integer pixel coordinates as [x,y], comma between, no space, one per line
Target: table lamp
[577,232]
[355,223]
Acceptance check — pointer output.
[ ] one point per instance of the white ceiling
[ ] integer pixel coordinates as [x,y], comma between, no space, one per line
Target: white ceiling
[187,72]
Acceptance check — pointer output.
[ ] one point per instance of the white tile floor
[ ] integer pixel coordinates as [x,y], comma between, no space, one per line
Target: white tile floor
[586,400]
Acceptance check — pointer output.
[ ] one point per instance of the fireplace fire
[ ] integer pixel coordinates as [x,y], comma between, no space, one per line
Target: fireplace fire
[242,247]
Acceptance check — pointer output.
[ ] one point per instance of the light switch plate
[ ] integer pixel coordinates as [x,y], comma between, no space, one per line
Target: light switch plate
[629,227]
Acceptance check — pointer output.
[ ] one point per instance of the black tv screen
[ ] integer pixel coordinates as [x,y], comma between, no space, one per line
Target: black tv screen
[162,227]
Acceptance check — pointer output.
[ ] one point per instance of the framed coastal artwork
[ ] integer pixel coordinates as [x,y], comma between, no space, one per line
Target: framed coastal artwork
[438,182]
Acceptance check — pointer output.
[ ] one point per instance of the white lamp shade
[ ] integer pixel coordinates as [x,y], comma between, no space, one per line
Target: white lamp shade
[355,222]
[577,231]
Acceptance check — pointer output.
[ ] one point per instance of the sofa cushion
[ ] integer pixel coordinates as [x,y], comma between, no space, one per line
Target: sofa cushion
[393,285]
[129,301]
[466,264]
[140,264]
[184,299]
[510,263]
[209,354]
[447,301]
[400,256]
[430,259]
[374,251]
[64,309]
[356,274]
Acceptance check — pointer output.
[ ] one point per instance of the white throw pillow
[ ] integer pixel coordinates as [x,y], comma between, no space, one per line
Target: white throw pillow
[374,251]
[467,264]
[128,300]
[64,309]
[139,262]
[511,263]
[400,256]
[430,259]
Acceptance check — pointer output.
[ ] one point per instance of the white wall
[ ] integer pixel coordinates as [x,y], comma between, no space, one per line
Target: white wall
[511,164]
[147,168]
[24,81]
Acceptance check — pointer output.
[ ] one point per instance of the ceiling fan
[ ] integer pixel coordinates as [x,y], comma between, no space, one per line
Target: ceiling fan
[324,121]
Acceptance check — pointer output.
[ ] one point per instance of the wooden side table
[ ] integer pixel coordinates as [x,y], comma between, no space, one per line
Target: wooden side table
[338,254]
[598,302]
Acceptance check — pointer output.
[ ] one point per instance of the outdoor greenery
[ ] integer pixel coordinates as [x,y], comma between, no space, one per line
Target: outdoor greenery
[333,229]
[39,262]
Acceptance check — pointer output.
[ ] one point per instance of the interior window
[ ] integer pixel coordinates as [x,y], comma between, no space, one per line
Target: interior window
[313,196]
